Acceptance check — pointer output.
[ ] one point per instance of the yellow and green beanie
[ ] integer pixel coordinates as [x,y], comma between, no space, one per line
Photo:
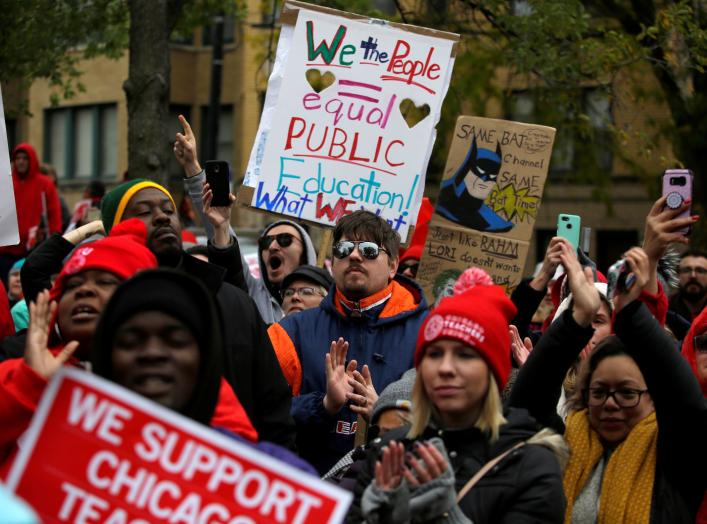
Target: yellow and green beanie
[115,201]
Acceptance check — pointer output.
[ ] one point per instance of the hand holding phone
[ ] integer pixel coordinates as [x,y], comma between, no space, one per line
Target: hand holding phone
[620,279]
[569,228]
[218,176]
[677,189]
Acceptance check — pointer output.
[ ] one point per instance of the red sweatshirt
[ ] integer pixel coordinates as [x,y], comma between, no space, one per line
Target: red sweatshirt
[21,389]
[28,200]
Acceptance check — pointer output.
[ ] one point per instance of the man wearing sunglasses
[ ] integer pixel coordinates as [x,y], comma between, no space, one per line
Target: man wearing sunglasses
[691,297]
[360,339]
[283,245]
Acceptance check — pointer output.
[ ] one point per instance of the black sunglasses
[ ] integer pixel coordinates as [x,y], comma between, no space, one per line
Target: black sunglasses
[284,239]
[368,250]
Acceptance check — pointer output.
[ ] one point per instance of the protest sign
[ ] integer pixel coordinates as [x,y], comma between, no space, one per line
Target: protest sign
[9,234]
[96,452]
[349,117]
[487,204]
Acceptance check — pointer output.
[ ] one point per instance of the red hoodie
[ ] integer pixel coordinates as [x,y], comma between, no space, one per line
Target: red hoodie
[28,200]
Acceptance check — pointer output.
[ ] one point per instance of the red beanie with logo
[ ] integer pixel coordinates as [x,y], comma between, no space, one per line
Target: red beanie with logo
[477,316]
[123,253]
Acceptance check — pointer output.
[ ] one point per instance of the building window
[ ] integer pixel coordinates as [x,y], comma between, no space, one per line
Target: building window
[229,32]
[572,149]
[224,142]
[81,142]
[270,13]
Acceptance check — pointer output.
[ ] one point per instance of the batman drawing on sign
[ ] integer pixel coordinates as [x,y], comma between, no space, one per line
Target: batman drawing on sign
[461,197]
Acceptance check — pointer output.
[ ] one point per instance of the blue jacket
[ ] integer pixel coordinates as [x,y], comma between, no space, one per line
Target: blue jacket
[382,335]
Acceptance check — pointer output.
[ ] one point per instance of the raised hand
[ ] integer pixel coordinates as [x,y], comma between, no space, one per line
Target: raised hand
[389,469]
[219,216]
[185,149]
[639,265]
[662,228]
[37,355]
[428,465]
[550,263]
[337,376]
[520,348]
[364,394]
[586,300]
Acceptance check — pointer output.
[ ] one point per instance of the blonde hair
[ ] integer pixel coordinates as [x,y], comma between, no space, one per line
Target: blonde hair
[490,418]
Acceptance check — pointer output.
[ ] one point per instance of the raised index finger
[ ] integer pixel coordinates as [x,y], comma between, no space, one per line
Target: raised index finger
[185,125]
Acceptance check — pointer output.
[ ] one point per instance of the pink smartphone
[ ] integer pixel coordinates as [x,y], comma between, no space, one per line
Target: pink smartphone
[677,187]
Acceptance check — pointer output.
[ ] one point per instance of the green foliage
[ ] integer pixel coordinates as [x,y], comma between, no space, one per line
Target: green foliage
[47,38]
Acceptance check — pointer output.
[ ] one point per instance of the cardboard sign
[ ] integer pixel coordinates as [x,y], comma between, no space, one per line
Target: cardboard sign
[96,452]
[487,204]
[9,234]
[349,117]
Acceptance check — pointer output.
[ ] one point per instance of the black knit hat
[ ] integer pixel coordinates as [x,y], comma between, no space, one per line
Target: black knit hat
[317,275]
[182,297]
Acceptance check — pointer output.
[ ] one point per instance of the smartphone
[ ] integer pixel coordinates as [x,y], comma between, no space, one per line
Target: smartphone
[569,227]
[677,187]
[619,279]
[218,175]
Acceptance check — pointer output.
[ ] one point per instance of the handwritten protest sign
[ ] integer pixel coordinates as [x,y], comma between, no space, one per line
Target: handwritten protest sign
[349,117]
[487,204]
[9,234]
[97,452]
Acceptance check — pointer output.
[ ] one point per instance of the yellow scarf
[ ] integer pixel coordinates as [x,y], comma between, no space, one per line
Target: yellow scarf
[627,485]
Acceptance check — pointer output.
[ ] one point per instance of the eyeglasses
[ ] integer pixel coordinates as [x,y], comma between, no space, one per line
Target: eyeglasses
[368,250]
[697,270]
[700,343]
[624,397]
[301,291]
[284,239]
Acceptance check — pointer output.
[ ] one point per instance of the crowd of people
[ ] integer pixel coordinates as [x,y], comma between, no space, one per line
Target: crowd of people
[569,401]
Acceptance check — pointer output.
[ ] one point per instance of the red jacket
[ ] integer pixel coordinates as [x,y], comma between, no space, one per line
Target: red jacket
[21,389]
[28,201]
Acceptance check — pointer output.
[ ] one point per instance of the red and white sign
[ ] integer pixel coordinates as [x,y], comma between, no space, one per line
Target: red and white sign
[96,452]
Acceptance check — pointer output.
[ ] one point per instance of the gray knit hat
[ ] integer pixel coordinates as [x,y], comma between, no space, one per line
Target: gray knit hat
[396,395]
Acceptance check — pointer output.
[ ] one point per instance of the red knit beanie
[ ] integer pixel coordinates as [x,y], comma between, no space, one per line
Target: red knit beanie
[122,253]
[477,316]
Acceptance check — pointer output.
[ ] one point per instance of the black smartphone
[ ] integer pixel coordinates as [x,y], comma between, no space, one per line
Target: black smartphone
[218,176]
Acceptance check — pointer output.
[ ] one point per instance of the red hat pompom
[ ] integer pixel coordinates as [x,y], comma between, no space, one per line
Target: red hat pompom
[472,277]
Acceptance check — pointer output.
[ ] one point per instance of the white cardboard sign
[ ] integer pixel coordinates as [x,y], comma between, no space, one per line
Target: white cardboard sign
[333,137]
[9,234]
